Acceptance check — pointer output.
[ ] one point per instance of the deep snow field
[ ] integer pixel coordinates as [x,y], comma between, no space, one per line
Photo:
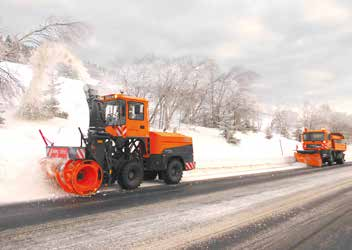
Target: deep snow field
[21,178]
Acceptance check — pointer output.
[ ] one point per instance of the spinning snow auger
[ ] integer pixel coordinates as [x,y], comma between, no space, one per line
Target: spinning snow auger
[321,146]
[72,172]
[118,148]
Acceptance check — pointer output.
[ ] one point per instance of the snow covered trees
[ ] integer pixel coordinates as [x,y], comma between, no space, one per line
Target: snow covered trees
[9,86]
[19,49]
[290,123]
[323,116]
[2,120]
[46,106]
[280,123]
[231,106]
[297,133]
[192,91]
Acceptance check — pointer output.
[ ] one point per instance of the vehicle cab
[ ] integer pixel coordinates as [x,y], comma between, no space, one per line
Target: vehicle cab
[126,116]
[316,139]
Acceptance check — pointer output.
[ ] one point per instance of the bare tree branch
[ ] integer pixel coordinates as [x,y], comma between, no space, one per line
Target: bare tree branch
[54,29]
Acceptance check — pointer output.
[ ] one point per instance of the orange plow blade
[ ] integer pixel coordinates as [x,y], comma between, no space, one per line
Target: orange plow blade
[81,177]
[311,158]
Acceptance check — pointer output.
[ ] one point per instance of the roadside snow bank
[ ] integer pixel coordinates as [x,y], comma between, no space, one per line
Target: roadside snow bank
[211,149]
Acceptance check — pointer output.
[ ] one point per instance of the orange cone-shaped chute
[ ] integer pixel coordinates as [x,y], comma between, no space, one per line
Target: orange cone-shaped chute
[82,177]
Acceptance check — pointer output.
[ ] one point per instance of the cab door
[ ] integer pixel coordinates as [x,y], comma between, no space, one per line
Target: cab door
[137,119]
[115,117]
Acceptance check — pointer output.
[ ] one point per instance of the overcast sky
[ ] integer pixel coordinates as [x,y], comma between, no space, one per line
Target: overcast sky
[301,49]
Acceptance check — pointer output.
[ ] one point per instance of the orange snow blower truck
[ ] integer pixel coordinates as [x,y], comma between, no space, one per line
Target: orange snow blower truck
[118,148]
[320,147]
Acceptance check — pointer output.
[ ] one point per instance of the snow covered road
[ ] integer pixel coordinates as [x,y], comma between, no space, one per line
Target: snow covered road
[164,216]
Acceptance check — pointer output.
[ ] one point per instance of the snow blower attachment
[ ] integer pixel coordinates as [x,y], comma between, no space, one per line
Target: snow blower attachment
[118,148]
[321,146]
[67,165]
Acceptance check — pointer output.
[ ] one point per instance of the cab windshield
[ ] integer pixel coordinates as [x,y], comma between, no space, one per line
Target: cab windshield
[115,113]
[318,136]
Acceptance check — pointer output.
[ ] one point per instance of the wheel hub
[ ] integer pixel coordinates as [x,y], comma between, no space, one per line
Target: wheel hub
[131,175]
[174,171]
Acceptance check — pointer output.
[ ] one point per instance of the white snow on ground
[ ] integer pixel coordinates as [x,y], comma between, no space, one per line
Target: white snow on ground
[348,153]
[211,149]
[21,178]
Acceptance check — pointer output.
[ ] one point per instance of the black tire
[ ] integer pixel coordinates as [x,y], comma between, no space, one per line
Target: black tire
[341,159]
[150,175]
[173,173]
[331,159]
[131,175]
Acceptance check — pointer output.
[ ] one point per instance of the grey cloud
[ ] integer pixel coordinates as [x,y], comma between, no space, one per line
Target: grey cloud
[280,39]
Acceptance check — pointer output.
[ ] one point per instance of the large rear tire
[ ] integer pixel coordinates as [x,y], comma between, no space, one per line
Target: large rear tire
[173,173]
[131,175]
[341,159]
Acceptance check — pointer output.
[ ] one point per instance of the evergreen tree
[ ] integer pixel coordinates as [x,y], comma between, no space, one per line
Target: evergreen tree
[51,105]
[67,71]
[297,134]
[228,129]
[268,133]
[45,108]
[2,120]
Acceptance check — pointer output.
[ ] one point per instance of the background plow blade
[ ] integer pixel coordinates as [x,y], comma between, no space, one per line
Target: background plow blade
[311,158]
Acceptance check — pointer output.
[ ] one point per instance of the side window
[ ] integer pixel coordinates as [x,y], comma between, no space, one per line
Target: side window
[115,113]
[136,111]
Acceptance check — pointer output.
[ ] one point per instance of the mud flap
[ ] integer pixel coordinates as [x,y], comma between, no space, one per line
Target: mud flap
[309,157]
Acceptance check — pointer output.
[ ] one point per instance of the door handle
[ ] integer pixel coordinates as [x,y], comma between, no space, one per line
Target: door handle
[142,127]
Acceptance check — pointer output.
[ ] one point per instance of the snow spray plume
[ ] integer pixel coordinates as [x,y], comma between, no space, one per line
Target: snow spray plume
[44,61]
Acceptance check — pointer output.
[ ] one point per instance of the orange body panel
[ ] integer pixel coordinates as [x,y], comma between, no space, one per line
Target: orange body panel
[336,139]
[340,147]
[159,141]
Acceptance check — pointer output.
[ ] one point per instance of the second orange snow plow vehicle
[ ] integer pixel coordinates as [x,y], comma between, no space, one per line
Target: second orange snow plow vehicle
[119,148]
[320,147]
